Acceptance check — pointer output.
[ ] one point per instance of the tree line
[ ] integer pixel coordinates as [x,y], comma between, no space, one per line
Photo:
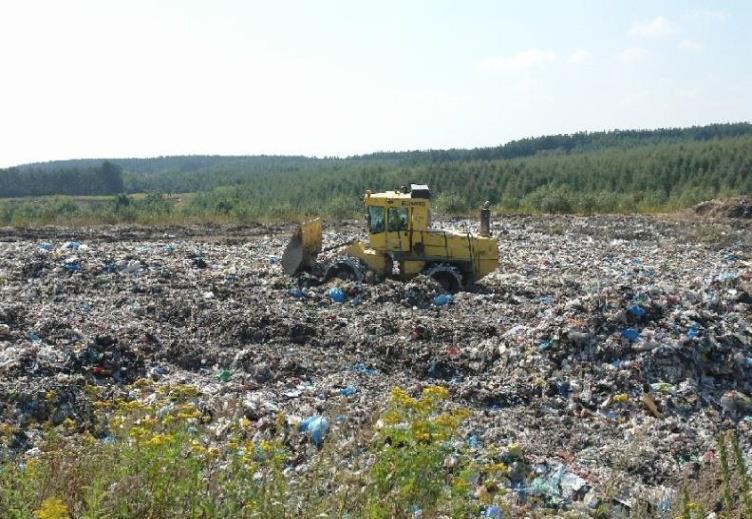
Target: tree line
[622,171]
[103,179]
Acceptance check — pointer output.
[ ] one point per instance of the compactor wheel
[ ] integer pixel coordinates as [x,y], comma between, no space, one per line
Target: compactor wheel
[346,268]
[446,275]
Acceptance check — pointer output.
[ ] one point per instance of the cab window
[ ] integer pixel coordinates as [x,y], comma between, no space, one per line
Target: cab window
[397,220]
[375,219]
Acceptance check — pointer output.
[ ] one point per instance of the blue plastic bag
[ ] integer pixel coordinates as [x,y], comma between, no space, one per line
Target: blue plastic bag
[316,427]
[637,311]
[72,266]
[443,299]
[337,295]
[297,293]
[630,334]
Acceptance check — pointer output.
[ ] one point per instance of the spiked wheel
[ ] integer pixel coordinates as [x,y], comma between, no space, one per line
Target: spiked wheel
[446,275]
[346,268]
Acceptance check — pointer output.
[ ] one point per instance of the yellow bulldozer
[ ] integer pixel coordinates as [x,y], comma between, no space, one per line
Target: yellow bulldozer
[401,244]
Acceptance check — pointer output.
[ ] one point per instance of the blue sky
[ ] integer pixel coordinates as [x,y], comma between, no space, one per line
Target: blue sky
[145,78]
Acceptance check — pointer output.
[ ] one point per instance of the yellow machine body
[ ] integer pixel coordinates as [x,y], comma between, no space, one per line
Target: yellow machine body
[399,234]
[399,226]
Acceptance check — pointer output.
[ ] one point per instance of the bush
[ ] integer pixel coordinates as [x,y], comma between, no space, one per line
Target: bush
[556,202]
[450,203]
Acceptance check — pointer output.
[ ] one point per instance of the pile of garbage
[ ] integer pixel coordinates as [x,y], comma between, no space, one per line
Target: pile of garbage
[610,349]
[736,207]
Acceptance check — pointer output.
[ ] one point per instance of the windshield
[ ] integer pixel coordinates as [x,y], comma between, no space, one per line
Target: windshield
[397,219]
[375,219]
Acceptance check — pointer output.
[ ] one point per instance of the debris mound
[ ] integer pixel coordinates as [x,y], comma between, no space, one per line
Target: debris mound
[737,207]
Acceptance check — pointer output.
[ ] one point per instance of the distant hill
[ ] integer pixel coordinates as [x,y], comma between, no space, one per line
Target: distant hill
[568,143]
[622,170]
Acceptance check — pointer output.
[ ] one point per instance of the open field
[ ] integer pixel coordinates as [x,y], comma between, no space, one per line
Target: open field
[594,370]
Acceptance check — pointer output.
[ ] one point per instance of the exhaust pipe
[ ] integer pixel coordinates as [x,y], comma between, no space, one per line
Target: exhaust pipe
[485,220]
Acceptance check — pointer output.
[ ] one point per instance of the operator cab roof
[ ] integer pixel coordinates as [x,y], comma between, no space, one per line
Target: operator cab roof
[416,191]
[420,191]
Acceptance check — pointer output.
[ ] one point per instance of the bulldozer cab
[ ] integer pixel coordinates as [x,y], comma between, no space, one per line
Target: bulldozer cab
[393,215]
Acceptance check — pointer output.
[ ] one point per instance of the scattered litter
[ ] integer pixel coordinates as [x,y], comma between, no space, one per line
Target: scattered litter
[443,299]
[336,295]
[224,375]
[316,427]
[596,337]
[637,311]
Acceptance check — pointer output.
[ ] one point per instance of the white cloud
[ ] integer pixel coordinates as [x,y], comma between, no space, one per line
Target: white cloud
[690,45]
[578,56]
[719,15]
[525,60]
[655,28]
[687,93]
[633,55]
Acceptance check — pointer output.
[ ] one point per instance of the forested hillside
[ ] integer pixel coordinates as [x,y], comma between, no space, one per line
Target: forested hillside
[585,172]
[96,178]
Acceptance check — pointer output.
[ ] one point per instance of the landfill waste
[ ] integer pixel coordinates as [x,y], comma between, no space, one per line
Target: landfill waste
[224,375]
[605,348]
[735,207]
[557,484]
[336,294]
[630,334]
[348,391]
[443,299]
[316,427]
[297,293]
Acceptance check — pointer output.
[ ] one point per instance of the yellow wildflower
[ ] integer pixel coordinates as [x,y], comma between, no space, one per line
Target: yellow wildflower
[183,391]
[52,508]
[401,398]
[91,389]
[515,450]
[197,448]
[133,405]
[392,417]
[188,412]
[147,423]
[158,440]
[499,468]
[436,393]
[138,433]
[141,383]
[6,429]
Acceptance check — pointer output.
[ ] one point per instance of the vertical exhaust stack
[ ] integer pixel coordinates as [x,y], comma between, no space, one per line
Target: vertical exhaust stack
[485,220]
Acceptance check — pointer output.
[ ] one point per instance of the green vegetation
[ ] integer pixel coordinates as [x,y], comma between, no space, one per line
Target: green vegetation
[101,179]
[623,171]
[156,460]
[158,454]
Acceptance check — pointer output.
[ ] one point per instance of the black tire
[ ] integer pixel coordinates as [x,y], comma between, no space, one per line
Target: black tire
[446,275]
[346,269]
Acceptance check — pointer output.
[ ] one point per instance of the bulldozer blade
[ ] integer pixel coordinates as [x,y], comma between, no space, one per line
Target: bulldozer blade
[292,258]
[305,244]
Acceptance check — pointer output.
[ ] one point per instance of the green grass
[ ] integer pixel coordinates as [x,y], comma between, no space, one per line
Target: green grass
[226,208]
